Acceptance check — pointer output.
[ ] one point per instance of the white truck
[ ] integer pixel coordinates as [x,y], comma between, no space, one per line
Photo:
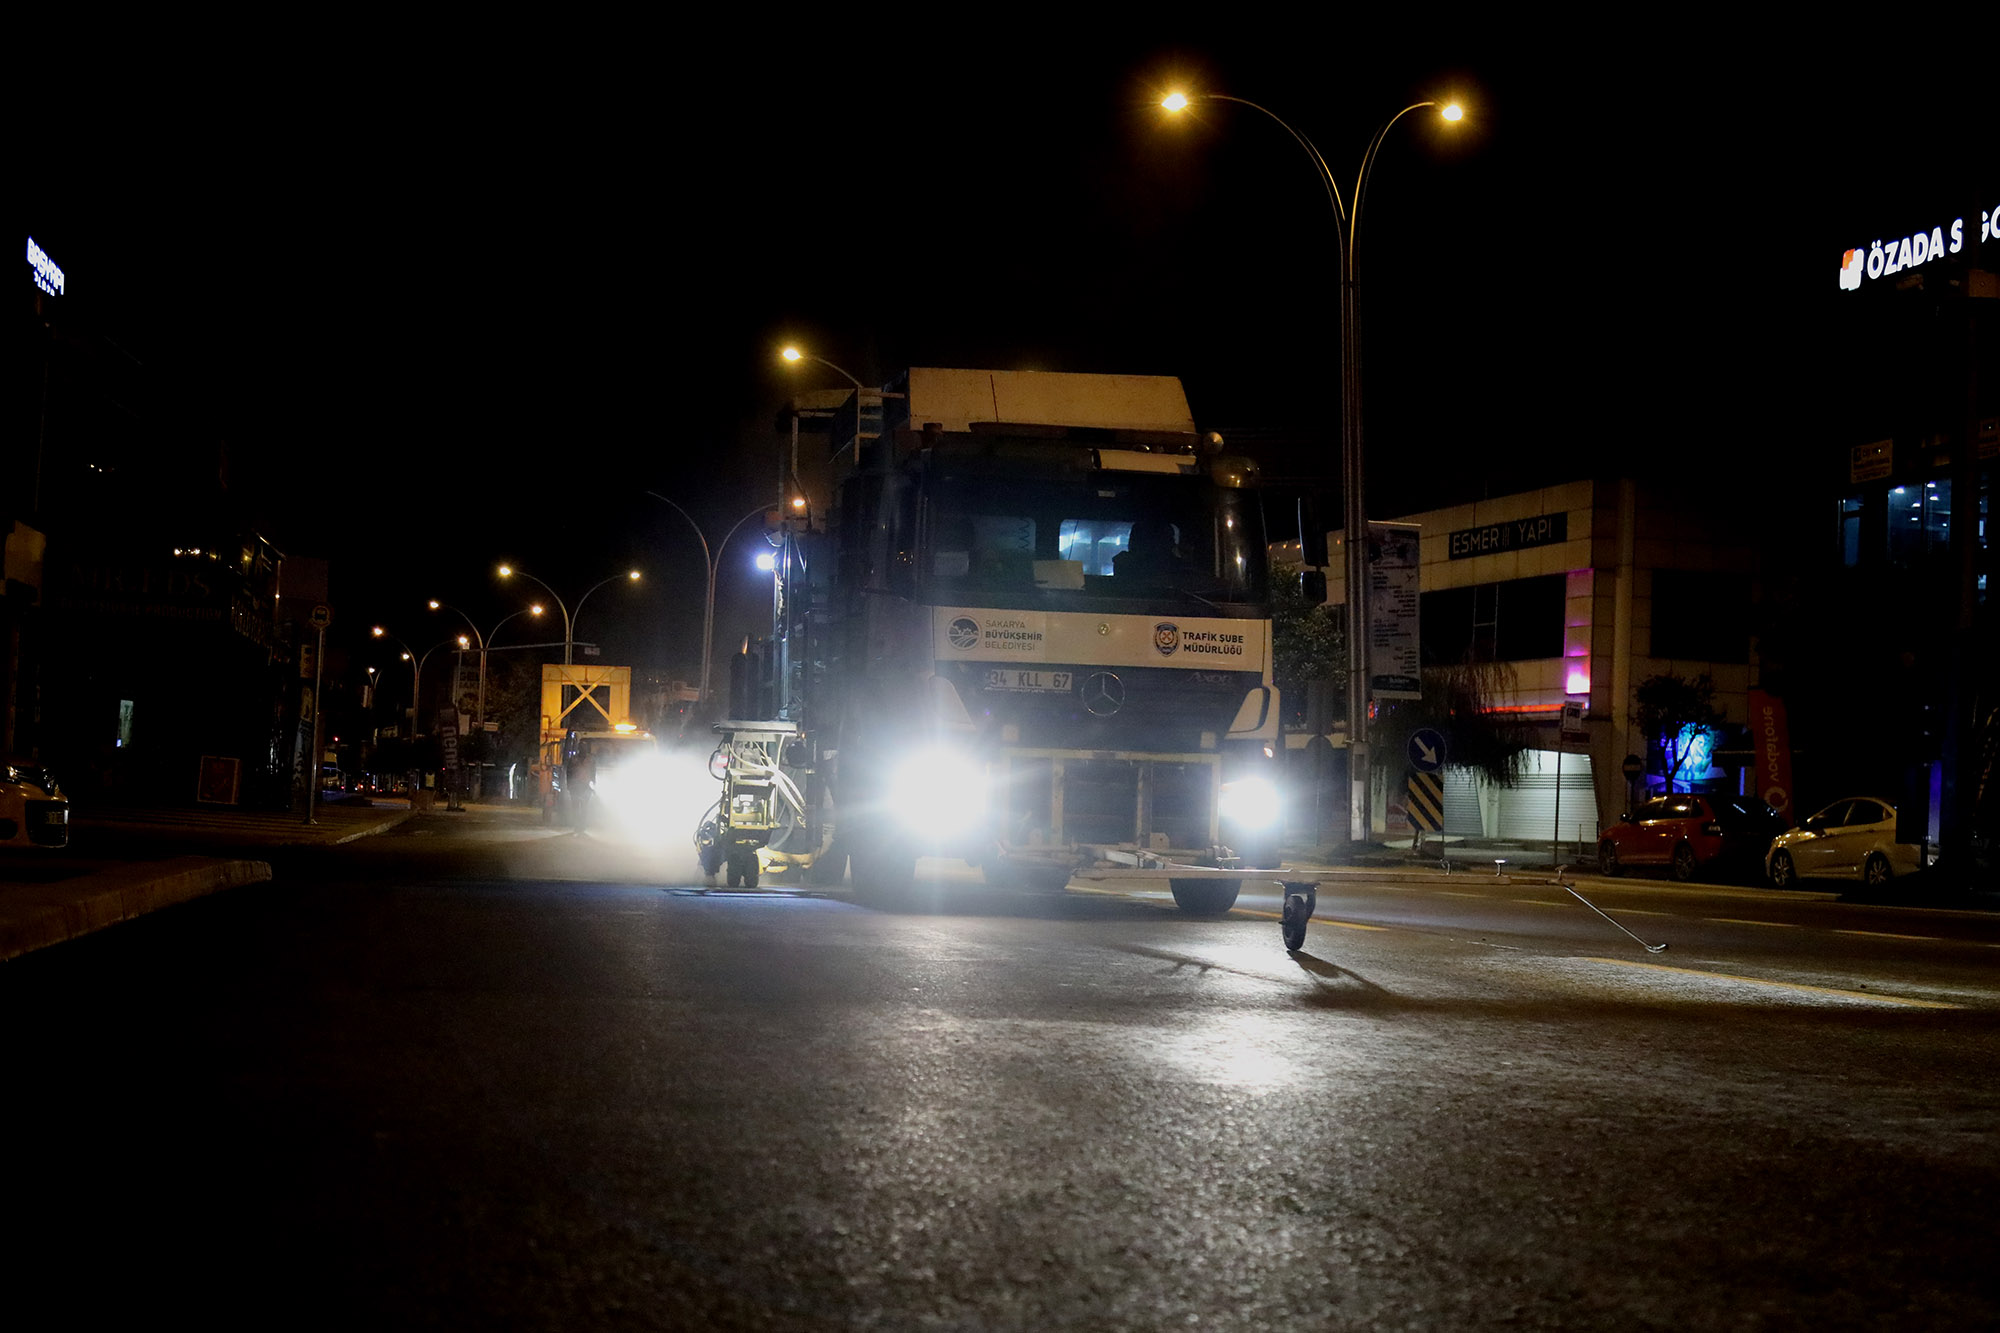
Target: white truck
[1031,629]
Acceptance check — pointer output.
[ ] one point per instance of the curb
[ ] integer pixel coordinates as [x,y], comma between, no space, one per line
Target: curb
[1545,875]
[37,916]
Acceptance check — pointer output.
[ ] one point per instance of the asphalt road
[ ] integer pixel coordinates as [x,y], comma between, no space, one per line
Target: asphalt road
[470,1075]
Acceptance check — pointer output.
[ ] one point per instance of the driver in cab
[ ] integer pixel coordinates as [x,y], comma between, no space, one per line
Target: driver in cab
[1151,555]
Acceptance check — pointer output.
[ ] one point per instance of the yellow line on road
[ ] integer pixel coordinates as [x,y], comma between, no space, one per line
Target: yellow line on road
[1782,985]
[1745,921]
[1316,921]
[1885,935]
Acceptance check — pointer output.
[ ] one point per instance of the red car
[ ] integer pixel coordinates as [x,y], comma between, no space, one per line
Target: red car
[1690,833]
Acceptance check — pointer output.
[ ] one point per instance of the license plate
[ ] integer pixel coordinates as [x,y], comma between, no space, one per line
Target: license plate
[1007,678]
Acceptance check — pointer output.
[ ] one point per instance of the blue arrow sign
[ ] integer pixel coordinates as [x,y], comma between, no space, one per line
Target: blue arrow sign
[1426,750]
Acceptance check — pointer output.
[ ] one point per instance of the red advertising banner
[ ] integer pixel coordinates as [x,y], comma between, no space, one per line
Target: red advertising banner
[1771,738]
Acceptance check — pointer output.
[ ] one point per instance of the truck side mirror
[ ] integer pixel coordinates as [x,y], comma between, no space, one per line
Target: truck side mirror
[1312,586]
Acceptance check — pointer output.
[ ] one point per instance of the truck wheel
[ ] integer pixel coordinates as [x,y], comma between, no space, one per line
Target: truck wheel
[1205,897]
[743,868]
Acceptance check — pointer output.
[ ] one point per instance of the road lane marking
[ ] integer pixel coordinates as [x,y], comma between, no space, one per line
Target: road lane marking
[1885,935]
[1316,921]
[1745,921]
[1800,987]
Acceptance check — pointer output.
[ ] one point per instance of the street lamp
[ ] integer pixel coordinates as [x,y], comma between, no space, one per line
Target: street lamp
[712,557]
[416,669]
[479,706]
[630,575]
[508,572]
[1347,229]
[793,354]
[569,622]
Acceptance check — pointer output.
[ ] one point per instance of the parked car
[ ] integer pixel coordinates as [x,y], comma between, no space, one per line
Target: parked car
[33,810]
[1690,833]
[1854,838]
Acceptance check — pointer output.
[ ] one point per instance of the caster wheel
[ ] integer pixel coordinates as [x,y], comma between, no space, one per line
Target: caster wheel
[1298,911]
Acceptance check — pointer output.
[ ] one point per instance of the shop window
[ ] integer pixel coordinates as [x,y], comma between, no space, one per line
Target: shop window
[1519,620]
[1919,521]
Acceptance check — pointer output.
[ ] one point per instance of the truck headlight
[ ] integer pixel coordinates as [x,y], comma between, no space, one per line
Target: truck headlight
[1250,802]
[938,793]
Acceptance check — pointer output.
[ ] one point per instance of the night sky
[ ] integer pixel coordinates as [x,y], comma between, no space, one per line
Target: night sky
[460,296]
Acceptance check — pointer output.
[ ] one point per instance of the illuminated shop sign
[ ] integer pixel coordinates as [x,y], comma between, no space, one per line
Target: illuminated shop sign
[1884,259]
[1514,535]
[47,276]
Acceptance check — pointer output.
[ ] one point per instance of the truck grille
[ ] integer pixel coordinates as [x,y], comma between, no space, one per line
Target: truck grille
[1152,803]
[1159,709]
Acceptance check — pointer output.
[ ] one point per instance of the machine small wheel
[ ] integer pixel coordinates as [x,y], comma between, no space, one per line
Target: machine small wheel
[1297,913]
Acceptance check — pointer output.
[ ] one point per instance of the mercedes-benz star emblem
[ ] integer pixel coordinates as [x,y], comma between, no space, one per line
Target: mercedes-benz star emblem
[1103,693]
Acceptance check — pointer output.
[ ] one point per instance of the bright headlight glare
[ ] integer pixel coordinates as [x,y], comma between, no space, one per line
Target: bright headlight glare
[1250,802]
[938,793]
[634,792]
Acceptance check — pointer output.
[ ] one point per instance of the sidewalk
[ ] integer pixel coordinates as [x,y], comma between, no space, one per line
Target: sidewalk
[47,897]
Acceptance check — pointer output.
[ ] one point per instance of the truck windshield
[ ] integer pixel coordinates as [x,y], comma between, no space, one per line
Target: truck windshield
[1092,537]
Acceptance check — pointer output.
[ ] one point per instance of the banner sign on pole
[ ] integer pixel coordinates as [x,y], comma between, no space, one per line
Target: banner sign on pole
[1395,657]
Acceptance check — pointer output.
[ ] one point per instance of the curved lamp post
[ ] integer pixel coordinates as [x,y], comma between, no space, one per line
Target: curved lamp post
[630,575]
[509,571]
[479,706]
[712,557]
[416,669]
[1347,229]
[793,354]
[569,621]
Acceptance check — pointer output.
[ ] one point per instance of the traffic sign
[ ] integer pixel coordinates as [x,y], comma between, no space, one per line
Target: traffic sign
[1634,766]
[1426,802]
[321,616]
[1426,750]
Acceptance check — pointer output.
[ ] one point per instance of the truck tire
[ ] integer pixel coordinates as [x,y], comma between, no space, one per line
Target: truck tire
[1205,897]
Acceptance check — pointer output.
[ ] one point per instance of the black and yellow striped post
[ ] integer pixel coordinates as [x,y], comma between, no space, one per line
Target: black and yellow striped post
[1426,803]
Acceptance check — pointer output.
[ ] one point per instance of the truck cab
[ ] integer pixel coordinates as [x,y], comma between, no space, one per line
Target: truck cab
[1036,635]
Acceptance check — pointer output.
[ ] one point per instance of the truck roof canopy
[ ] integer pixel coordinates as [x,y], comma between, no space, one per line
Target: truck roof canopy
[956,399]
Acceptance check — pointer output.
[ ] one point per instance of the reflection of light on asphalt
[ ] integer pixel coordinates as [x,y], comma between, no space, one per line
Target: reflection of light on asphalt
[1236,1050]
[1660,980]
